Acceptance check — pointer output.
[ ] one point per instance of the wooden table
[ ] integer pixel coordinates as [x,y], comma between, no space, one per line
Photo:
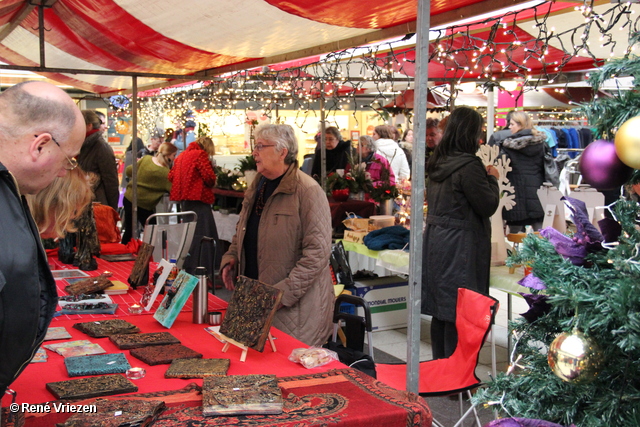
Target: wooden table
[229,199]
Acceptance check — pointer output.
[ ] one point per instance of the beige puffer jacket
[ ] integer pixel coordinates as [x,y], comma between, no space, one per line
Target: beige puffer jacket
[294,244]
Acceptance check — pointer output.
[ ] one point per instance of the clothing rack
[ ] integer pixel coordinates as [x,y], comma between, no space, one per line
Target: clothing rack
[561,123]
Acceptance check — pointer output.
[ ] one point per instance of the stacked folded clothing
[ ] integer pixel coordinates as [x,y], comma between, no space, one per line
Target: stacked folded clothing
[395,237]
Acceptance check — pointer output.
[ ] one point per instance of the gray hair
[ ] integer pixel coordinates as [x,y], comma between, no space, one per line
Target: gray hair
[367,142]
[26,113]
[333,131]
[281,135]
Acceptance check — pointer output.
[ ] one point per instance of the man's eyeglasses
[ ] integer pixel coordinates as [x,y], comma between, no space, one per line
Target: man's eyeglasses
[261,147]
[73,163]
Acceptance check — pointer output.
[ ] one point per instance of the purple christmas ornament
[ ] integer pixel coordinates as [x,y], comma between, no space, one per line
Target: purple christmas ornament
[601,168]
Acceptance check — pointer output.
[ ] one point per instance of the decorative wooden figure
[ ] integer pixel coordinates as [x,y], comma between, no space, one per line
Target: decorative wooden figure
[490,155]
[249,316]
[140,272]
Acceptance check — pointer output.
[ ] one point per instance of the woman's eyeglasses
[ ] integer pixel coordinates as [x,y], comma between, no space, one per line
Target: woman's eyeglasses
[261,147]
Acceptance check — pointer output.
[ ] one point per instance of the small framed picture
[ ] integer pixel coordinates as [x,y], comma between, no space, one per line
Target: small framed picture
[355,135]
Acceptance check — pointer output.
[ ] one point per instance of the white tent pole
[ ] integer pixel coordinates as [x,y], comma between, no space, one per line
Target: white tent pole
[417,192]
[491,112]
[323,144]
[134,156]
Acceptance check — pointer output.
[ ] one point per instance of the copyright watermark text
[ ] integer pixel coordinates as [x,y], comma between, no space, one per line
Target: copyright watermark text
[52,407]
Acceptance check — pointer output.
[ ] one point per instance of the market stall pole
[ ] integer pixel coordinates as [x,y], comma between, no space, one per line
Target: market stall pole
[415,264]
[134,162]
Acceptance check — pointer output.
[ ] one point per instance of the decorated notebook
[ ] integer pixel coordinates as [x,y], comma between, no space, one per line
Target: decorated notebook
[57,333]
[241,394]
[75,348]
[118,412]
[83,388]
[127,341]
[197,368]
[99,364]
[250,312]
[164,354]
[40,356]
[105,328]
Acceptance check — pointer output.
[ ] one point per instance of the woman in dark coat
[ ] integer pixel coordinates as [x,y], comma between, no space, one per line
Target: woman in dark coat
[525,147]
[462,195]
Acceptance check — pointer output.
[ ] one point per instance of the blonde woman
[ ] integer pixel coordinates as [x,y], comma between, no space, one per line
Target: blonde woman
[62,201]
[153,183]
[525,147]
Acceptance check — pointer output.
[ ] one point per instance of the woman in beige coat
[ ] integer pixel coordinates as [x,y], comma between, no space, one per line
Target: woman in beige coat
[283,237]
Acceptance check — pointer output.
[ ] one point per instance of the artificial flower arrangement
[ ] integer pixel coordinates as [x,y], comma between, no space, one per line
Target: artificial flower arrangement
[247,167]
[383,190]
[360,177]
[227,179]
[356,180]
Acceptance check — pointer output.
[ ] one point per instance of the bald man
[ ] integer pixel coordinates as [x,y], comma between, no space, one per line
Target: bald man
[41,131]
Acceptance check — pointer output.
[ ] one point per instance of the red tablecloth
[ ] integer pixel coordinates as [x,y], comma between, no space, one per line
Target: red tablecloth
[121,271]
[30,385]
[327,394]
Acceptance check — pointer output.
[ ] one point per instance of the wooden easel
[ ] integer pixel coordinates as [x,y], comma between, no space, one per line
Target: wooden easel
[229,341]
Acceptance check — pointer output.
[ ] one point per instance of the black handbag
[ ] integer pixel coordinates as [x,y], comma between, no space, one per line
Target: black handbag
[353,358]
[340,265]
[551,171]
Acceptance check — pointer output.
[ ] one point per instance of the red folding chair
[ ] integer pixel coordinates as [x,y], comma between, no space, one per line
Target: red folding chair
[475,314]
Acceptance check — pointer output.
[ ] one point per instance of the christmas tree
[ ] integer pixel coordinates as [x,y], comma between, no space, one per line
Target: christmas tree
[576,353]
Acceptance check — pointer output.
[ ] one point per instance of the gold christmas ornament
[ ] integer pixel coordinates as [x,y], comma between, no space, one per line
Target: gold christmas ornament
[574,358]
[627,142]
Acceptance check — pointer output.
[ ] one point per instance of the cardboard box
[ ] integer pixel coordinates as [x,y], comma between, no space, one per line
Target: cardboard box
[387,298]
[355,236]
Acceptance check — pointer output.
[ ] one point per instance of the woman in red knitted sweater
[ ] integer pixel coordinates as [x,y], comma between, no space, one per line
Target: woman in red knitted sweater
[192,178]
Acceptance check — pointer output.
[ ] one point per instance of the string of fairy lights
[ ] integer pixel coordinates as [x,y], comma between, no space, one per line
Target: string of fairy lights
[367,78]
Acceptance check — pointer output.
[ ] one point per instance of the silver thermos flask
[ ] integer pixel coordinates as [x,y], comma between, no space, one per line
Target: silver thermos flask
[200,297]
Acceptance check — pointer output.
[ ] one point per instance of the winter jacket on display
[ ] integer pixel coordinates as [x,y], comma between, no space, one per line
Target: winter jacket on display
[294,244]
[391,151]
[97,156]
[526,152]
[192,176]
[338,158]
[28,296]
[461,198]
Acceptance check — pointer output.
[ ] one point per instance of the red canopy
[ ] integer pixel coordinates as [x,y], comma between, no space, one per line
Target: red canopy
[165,38]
